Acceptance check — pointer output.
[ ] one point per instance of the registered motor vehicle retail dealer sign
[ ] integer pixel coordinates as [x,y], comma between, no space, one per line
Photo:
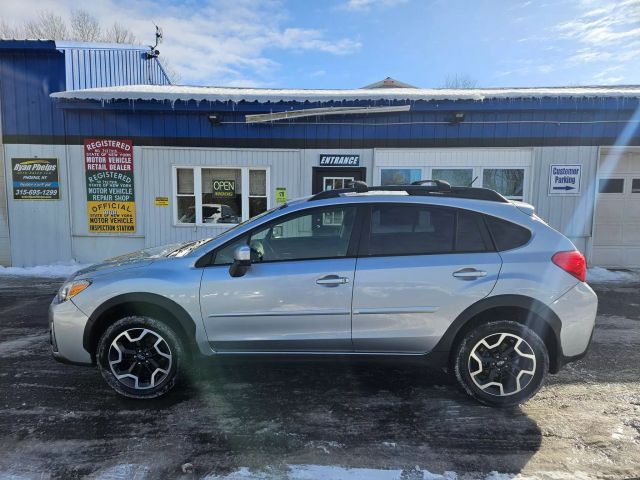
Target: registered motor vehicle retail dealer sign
[565,179]
[35,178]
[111,206]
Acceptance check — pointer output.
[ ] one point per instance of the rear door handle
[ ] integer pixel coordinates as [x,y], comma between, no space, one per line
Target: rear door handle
[332,281]
[469,274]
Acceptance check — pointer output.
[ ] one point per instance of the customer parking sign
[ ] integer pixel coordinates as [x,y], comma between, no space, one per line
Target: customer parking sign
[564,179]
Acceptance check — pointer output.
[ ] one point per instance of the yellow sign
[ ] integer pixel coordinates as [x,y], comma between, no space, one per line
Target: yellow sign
[162,201]
[281,195]
[111,217]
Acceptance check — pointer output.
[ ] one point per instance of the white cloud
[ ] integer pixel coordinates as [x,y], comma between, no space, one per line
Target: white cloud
[606,26]
[223,42]
[365,5]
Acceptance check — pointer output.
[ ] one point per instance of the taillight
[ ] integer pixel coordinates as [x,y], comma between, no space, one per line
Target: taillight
[572,262]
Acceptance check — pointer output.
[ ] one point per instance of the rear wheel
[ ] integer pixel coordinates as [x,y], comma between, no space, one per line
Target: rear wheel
[140,357]
[501,363]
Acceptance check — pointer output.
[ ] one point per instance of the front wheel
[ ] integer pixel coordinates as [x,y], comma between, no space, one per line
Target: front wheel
[139,357]
[501,363]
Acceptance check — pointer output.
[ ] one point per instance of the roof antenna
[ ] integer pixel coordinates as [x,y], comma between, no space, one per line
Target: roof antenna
[154,52]
[472,182]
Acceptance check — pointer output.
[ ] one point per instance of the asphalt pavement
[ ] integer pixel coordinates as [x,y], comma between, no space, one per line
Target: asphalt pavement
[314,420]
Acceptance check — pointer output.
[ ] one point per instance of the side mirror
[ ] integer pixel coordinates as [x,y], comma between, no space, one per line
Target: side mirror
[241,261]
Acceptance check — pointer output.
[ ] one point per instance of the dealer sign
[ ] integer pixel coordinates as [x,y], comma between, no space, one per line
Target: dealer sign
[565,179]
[339,160]
[35,178]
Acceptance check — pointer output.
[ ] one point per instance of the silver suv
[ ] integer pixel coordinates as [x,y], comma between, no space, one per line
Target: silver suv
[458,278]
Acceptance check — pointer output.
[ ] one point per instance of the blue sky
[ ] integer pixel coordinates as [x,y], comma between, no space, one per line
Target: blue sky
[350,43]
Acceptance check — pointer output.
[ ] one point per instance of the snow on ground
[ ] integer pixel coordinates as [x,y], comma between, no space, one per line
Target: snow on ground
[602,275]
[23,345]
[333,472]
[61,270]
[326,472]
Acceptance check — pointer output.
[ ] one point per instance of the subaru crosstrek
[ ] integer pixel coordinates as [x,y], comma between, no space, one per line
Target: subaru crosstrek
[459,278]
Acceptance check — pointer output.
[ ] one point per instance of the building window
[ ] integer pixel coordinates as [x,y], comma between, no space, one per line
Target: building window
[457,177]
[400,176]
[611,185]
[635,185]
[185,196]
[211,195]
[507,181]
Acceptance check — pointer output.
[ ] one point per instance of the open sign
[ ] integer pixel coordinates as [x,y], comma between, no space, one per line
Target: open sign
[224,188]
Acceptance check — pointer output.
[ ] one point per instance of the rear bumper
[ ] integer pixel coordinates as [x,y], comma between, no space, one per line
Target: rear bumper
[66,327]
[576,310]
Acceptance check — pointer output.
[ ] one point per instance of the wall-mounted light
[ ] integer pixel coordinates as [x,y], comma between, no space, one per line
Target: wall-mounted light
[456,119]
[214,119]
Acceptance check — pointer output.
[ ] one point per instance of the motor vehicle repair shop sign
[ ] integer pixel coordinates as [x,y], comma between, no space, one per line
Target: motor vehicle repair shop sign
[111,206]
[35,178]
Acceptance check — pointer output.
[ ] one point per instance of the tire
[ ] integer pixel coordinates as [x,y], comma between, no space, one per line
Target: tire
[152,345]
[508,373]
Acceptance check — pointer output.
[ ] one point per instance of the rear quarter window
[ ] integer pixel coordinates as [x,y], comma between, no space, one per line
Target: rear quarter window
[507,235]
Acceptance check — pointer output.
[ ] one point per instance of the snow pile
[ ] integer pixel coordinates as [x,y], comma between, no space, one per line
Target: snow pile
[602,275]
[185,93]
[56,270]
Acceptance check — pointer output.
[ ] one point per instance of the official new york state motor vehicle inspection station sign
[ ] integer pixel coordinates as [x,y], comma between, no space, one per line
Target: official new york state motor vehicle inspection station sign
[111,206]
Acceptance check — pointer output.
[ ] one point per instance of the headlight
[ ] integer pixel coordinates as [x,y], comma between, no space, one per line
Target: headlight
[71,289]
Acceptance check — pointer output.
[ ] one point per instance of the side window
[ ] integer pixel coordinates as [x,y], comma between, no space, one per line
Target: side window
[471,234]
[411,230]
[507,235]
[319,233]
[224,255]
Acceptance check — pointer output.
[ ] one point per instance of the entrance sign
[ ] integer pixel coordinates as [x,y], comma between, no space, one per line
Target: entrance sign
[565,179]
[35,178]
[339,160]
[111,205]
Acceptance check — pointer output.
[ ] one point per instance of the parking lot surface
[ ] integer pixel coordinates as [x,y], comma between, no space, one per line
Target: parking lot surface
[314,420]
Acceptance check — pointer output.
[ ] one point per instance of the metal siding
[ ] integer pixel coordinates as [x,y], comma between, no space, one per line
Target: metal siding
[5,245]
[87,67]
[284,167]
[40,232]
[571,214]
[187,125]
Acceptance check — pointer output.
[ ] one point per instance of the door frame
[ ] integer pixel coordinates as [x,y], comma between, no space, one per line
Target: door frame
[358,173]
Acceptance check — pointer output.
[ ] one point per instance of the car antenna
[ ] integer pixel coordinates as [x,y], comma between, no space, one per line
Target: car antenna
[472,182]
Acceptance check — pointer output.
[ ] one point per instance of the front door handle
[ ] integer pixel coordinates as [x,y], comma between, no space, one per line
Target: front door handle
[332,281]
[469,274]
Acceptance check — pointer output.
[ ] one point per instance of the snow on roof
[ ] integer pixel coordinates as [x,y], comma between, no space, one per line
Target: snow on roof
[224,94]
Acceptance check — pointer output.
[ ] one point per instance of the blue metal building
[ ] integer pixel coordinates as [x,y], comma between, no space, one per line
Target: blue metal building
[572,152]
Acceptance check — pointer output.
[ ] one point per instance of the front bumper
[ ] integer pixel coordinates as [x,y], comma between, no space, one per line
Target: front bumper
[576,310]
[66,328]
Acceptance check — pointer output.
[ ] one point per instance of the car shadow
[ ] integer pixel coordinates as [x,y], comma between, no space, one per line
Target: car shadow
[356,415]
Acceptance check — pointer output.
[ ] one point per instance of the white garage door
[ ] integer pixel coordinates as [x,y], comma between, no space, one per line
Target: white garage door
[616,236]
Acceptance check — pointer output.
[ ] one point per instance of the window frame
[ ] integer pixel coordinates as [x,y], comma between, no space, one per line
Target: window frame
[365,236]
[197,192]
[352,248]
[525,180]
[477,171]
[438,167]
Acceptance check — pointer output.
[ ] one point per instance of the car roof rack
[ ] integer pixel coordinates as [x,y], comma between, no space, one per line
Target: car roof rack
[436,188]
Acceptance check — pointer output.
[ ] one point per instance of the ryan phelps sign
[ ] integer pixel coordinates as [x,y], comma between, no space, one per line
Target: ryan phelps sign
[111,206]
[35,178]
